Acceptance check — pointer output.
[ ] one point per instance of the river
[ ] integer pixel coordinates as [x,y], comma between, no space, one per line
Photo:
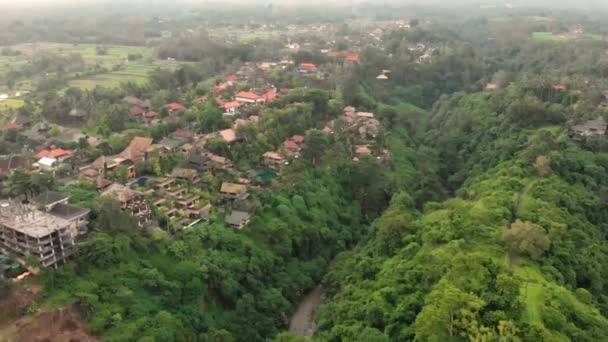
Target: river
[303,321]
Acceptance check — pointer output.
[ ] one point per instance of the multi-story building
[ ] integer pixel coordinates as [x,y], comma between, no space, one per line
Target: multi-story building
[29,232]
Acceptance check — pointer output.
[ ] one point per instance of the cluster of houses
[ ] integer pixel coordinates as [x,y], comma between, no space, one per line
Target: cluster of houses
[362,125]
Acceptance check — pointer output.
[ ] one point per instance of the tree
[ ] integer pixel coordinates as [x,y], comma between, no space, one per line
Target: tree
[20,183]
[526,238]
[315,145]
[449,312]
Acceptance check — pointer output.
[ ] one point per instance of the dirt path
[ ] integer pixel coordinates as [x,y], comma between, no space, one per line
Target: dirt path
[303,321]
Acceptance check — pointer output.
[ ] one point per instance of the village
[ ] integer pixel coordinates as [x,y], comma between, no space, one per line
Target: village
[199,186]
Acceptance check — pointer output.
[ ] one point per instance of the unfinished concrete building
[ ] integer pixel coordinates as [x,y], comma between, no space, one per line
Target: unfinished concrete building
[28,232]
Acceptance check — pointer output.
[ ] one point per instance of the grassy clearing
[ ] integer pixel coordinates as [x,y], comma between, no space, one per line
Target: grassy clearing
[110,80]
[548,37]
[11,104]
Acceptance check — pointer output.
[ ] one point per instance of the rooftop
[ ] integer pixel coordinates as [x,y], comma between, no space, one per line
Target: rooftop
[237,218]
[248,95]
[232,188]
[50,197]
[68,212]
[29,221]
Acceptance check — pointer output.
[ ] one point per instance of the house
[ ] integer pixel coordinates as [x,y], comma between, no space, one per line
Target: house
[365,115]
[200,162]
[559,87]
[270,96]
[131,201]
[246,97]
[229,135]
[307,68]
[382,77]
[219,162]
[491,86]
[232,78]
[134,101]
[274,161]
[46,164]
[138,148]
[164,183]
[293,46]
[58,153]
[590,129]
[183,134]
[231,108]
[174,107]
[188,202]
[233,192]
[189,175]
[362,150]
[138,111]
[293,145]
[170,145]
[353,58]
[238,219]
[77,113]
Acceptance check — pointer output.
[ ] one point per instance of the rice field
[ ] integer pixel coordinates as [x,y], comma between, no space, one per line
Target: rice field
[115,55]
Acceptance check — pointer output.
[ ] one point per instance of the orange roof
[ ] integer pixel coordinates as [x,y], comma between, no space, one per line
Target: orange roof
[270,96]
[363,150]
[232,78]
[231,104]
[12,125]
[247,95]
[228,134]
[559,87]
[54,153]
[352,57]
[273,155]
[308,66]
[174,106]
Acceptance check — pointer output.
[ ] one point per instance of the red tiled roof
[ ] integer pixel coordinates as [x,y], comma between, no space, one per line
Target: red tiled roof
[183,133]
[559,87]
[150,114]
[247,95]
[270,96]
[308,66]
[231,104]
[352,57]
[54,153]
[291,145]
[174,106]
[12,125]
[298,138]
[231,78]
[138,111]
